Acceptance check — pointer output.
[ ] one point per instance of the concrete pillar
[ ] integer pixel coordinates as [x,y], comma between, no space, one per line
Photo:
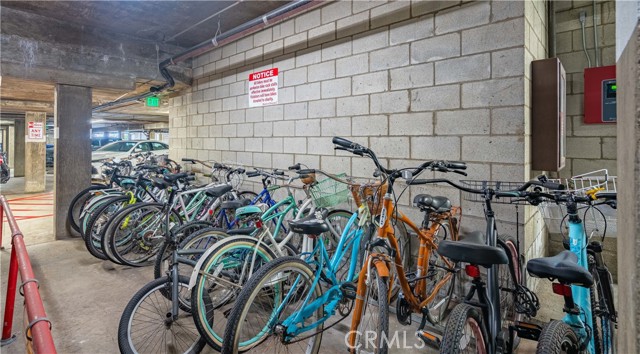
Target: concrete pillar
[628,77]
[18,162]
[33,162]
[72,152]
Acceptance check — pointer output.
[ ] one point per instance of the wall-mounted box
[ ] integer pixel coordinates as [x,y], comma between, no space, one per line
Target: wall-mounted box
[600,95]
[548,121]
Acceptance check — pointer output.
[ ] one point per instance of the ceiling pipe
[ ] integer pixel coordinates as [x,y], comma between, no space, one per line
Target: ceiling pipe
[278,15]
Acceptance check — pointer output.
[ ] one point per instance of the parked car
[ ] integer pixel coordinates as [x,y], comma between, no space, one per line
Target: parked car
[49,155]
[124,149]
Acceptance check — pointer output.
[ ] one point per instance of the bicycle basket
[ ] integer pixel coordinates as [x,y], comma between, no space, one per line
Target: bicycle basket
[329,192]
[372,193]
[496,186]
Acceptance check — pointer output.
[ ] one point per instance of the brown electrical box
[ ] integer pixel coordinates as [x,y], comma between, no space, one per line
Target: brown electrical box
[548,121]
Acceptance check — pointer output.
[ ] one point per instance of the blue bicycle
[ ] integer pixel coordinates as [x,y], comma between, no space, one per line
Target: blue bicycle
[590,316]
[288,300]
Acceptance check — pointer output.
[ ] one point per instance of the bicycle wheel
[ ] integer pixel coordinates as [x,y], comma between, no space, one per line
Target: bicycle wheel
[99,219]
[557,338]
[90,209]
[139,233]
[148,325]
[437,272]
[270,305]
[372,307]
[181,234]
[338,220]
[465,332]
[507,284]
[77,203]
[601,309]
[220,279]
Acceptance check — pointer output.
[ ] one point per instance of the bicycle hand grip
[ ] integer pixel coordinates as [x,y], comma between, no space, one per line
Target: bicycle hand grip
[185,159]
[456,165]
[240,170]
[343,142]
[414,182]
[253,174]
[217,165]
[460,172]
[306,171]
[295,167]
[278,172]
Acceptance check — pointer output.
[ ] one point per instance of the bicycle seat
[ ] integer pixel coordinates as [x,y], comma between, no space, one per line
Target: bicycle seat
[235,204]
[563,266]
[313,224]
[241,231]
[159,183]
[472,249]
[218,191]
[247,211]
[173,177]
[437,203]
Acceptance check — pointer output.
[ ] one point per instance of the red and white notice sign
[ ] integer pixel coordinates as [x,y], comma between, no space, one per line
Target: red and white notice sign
[263,88]
[35,132]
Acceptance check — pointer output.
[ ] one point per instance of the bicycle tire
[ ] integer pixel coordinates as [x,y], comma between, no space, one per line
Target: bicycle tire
[190,231]
[338,219]
[209,313]
[557,338]
[603,326]
[76,206]
[506,282]
[93,243]
[90,209]
[126,343]
[456,334]
[375,306]
[261,288]
[438,308]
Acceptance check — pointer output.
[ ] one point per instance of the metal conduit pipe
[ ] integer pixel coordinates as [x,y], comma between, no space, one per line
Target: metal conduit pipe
[271,18]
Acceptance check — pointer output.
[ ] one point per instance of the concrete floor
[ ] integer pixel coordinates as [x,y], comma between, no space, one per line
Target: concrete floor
[84,297]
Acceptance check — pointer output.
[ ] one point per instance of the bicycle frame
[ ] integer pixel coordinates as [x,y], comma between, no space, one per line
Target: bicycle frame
[349,241]
[581,295]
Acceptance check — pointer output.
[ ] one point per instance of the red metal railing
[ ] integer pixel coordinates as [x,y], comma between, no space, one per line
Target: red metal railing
[39,326]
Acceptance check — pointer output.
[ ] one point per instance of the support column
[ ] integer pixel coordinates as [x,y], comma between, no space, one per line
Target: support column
[72,151]
[628,77]
[33,162]
[18,162]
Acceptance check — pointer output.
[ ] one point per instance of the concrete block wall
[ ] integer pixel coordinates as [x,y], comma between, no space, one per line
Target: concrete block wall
[589,146]
[414,80]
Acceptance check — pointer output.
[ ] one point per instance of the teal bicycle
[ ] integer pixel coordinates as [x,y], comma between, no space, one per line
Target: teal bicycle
[288,301]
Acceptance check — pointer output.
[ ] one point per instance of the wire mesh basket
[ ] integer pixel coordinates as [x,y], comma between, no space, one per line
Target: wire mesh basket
[594,220]
[372,193]
[329,192]
[494,185]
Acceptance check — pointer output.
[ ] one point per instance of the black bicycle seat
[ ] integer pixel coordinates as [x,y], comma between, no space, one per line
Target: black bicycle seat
[235,204]
[437,203]
[313,224]
[563,266]
[218,191]
[472,249]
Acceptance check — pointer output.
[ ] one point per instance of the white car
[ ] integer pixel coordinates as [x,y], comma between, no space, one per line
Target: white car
[124,149]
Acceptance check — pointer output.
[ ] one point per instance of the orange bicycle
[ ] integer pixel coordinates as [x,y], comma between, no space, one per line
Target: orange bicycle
[426,291]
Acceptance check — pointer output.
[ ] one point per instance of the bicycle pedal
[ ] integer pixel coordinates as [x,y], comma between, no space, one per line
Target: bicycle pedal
[349,290]
[429,339]
[528,330]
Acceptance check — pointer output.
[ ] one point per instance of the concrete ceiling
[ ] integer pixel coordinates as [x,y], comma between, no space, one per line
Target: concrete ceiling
[79,37]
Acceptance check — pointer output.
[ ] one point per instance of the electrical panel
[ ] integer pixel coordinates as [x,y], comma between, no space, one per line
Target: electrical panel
[600,95]
[548,120]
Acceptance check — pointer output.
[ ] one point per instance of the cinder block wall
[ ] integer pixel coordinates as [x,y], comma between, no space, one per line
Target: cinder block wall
[413,80]
[589,146]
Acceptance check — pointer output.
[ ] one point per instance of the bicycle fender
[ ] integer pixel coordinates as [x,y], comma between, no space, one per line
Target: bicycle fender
[381,267]
[208,252]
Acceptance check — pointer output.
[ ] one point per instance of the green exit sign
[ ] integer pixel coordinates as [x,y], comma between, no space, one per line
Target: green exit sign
[153,101]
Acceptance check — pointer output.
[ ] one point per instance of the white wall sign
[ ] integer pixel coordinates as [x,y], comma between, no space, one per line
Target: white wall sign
[263,88]
[36,132]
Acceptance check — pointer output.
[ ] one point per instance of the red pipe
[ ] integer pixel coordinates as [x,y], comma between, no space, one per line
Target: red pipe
[1,223]
[40,328]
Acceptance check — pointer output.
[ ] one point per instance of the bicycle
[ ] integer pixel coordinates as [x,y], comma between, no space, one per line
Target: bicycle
[580,265]
[270,293]
[223,270]
[485,326]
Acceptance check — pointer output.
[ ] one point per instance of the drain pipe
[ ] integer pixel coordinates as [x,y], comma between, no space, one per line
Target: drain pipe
[551,33]
[271,18]
[595,33]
